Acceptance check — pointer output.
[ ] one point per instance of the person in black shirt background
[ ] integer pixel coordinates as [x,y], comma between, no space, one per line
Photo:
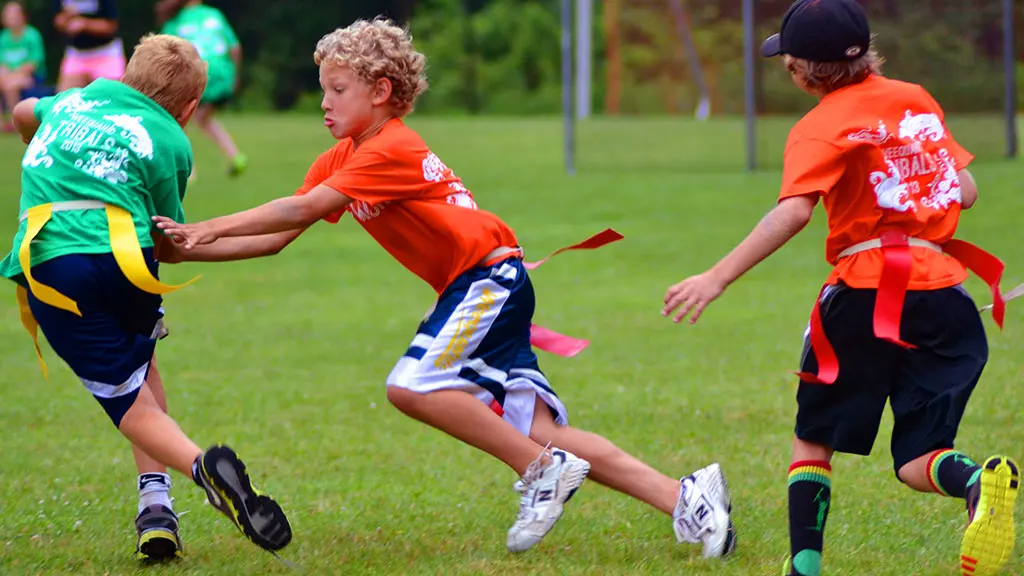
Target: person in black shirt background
[94,48]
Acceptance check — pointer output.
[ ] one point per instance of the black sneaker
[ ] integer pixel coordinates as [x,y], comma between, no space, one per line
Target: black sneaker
[229,490]
[158,533]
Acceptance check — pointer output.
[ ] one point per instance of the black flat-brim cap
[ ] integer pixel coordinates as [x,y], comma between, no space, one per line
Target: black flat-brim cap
[821,31]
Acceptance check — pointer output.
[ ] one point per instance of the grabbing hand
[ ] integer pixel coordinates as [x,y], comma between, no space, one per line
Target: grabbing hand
[191,235]
[692,295]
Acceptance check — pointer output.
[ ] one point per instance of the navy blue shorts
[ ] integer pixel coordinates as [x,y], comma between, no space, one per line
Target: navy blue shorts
[477,339]
[927,387]
[109,347]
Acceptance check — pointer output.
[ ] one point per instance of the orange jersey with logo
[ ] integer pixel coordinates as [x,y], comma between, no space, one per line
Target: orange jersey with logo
[879,155]
[411,203]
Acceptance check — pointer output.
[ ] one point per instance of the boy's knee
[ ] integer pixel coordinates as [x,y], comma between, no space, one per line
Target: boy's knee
[403,399]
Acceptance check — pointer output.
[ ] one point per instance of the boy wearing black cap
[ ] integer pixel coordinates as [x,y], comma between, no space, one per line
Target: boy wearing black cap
[893,314]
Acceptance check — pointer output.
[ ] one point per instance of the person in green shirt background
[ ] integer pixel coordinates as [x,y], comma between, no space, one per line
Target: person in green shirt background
[209,31]
[22,58]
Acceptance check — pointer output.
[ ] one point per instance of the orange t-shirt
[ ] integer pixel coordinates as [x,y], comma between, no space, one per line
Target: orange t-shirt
[411,203]
[879,155]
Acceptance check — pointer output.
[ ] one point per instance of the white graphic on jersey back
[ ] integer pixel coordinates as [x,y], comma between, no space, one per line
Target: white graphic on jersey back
[921,127]
[105,165]
[131,128]
[37,153]
[75,104]
[880,136]
[944,190]
[890,189]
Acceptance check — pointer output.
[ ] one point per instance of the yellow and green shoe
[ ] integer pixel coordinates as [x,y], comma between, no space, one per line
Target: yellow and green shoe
[990,537]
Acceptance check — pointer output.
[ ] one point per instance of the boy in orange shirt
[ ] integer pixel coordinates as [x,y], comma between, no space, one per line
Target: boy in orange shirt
[892,322]
[470,370]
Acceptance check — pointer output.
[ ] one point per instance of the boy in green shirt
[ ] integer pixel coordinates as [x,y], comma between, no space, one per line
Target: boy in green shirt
[22,58]
[101,162]
[209,31]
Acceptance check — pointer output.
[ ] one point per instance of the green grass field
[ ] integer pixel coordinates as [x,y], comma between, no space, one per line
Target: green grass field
[285,359]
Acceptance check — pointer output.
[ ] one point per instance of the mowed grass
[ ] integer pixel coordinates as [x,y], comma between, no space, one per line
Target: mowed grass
[285,359]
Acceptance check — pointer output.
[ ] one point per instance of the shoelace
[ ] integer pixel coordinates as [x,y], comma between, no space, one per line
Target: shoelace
[531,475]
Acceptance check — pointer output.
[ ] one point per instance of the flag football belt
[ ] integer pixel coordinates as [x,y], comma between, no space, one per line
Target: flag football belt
[124,244]
[892,290]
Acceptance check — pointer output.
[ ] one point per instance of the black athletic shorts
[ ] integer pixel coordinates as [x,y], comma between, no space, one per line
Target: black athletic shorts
[927,387]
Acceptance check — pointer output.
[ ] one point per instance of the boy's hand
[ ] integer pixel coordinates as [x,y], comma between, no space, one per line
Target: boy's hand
[191,235]
[169,251]
[693,294]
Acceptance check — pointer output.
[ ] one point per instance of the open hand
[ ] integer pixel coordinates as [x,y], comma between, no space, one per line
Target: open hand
[191,235]
[692,295]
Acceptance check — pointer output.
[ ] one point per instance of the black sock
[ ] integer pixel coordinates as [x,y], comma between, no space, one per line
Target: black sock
[951,473]
[810,496]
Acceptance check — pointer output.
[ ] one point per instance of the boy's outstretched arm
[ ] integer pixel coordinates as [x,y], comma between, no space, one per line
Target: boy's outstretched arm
[25,119]
[775,229]
[228,249]
[281,215]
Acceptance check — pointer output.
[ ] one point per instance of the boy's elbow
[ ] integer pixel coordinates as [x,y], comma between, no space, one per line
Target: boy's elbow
[798,211]
[24,112]
[308,214]
[280,241]
[968,189]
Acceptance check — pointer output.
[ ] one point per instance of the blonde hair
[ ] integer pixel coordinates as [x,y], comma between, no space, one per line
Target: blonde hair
[168,70]
[374,50]
[828,77]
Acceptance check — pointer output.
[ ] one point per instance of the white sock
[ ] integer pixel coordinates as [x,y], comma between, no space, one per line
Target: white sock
[154,488]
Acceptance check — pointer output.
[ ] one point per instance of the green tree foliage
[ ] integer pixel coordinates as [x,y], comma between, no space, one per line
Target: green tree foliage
[503,56]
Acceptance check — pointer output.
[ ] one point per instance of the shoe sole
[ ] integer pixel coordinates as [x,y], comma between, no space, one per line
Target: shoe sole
[730,539]
[225,476]
[990,537]
[573,479]
[158,544]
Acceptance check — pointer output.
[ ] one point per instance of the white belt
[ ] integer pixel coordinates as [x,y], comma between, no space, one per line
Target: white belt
[502,251]
[877,243]
[69,206]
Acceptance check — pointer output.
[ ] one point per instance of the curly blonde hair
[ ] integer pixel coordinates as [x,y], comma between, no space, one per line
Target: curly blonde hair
[378,49]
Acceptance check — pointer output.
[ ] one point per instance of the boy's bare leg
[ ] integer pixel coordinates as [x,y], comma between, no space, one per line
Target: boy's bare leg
[610,465]
[215,130]
[143,461]
[548,478]
[465,418]
[204,117]
[156,523]
[150,429]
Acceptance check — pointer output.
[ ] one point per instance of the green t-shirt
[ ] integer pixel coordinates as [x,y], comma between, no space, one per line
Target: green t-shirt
[26,49]
[105,142]
[208,30]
